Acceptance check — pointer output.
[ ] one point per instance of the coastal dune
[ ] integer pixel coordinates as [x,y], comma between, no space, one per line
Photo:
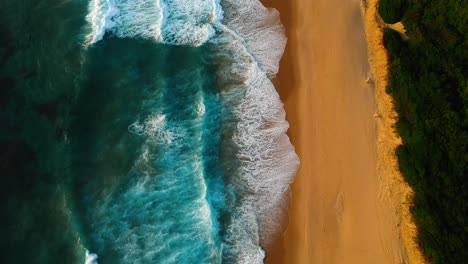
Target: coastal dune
[346,200]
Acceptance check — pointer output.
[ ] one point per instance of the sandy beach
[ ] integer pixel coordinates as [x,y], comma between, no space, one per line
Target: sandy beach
[349,202]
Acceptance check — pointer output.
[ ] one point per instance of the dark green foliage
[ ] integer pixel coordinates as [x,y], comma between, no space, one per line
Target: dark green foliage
[429,85]
[392,41]
[392,11]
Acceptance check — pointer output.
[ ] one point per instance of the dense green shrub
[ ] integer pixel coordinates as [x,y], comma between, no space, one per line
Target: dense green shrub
[392,41]
[392,11]
[427,80]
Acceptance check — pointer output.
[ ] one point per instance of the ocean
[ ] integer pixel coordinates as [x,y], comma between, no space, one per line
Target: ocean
[141,131]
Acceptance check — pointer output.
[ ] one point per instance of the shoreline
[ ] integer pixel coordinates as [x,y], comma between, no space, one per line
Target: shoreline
[332,81]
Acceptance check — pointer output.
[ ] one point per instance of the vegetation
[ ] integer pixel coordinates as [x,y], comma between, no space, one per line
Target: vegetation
[429,85]
[392,10]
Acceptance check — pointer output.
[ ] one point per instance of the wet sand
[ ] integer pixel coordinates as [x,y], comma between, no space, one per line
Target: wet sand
[347,197]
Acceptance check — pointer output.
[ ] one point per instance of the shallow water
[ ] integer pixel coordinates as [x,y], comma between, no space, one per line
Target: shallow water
[141,131]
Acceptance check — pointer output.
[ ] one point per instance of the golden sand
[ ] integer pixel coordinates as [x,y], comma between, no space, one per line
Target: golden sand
[349,201]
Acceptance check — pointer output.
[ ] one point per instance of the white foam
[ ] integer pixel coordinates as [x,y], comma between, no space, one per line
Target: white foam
[251,43]
[201,108]
[267,158]
[155,126]
[91,258]
[260,28]
[100,19]
[249,40]
[177,22]
[154,198]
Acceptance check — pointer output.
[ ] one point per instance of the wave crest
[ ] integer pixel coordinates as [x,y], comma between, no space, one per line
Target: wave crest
[248,41]
[176,22]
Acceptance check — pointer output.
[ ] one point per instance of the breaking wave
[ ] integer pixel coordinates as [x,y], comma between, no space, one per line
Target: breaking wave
[177,22]
[247,41]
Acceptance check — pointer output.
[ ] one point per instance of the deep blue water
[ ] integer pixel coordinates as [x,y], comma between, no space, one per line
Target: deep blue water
[141,131]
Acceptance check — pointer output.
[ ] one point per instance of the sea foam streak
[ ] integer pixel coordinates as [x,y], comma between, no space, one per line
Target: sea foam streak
[162,211]
[248,40]
[177,22]
[91,258]
[268,161]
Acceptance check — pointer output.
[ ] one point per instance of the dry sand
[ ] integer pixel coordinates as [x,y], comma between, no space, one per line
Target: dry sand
[348,199]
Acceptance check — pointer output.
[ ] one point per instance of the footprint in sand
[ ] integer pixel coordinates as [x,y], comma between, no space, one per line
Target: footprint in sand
[339,208]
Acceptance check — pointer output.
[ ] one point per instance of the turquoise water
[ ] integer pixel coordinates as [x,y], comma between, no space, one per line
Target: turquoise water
[141,131]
